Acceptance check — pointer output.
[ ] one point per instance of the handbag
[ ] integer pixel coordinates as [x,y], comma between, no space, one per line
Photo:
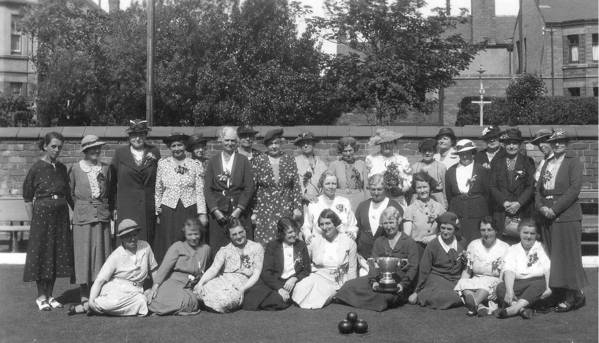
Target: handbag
[511,226]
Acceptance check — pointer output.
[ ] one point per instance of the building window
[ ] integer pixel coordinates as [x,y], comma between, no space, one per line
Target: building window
[16,88]
[574,91]
[595,48]
[15,36]
[573,40]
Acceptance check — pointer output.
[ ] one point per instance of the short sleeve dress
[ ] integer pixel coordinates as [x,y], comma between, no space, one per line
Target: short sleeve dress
[223,293]
[50,247]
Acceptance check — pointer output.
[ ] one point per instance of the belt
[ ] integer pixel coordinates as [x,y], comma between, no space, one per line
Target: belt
[93,202]
[550,192]
[466,196]
[53,196]
[135,284]
[233,192]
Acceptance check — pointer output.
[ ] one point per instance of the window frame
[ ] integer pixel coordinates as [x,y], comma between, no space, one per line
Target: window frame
[573,42]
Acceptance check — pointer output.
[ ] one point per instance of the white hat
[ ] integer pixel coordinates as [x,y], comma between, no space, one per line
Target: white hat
[464,145]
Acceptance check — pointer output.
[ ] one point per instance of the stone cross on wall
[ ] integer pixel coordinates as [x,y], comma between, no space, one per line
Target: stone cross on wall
[481,103]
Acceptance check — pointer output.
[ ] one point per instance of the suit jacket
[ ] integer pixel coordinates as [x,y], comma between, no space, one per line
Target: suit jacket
[135,188]
[473,204]
[346,254]
[519,187]
[241,187]
[568,184]
[482,158]
[274,263]
[365,239]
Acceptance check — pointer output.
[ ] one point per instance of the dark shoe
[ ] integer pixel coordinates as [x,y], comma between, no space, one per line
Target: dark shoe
[566,306]
[502,313]
[525,313]
[470,303]
[482,312]
[580,301]
[72,310]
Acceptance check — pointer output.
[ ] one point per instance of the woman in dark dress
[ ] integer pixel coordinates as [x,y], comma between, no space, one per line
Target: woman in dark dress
[467,188]
[365,292]
[93,193]
[278,189]
[556,198]
[228,189]
[136,167]
[441,267]
[286,262]
[50,250]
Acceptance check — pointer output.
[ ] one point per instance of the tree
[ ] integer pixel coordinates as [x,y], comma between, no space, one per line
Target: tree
[399,55]
[522,91]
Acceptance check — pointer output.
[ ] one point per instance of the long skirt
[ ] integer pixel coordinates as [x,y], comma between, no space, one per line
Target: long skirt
[174,298]
[50,249]
[92,246]
[169,230]
[359,293]
[438,293]
[563,241]
[315,291]
[262,297]
[223,293]
[122,298]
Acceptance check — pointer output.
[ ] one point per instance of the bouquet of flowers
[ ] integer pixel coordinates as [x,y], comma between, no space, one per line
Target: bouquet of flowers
[532,258]
[306,178]
[393,180]
[193,280]
[357,177]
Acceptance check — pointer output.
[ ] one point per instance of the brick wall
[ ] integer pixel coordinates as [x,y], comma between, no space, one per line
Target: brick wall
[19,150]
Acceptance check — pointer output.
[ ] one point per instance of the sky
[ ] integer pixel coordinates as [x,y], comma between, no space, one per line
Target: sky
[502,8]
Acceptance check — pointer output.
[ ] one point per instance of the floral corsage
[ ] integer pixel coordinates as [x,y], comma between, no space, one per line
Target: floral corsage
[150,158]
[224,176]
[487,165]
[532,259]
[470,182]
[298,259]
[547,177]
[496,265]
[521,174]
[462,258]
[340,208]
[306,178]
[181,169]
[245,261]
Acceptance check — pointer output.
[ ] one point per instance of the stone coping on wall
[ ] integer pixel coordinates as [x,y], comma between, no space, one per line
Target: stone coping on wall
[323,132]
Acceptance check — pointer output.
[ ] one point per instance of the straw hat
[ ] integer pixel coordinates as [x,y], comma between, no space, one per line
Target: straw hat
[127,226]
[90,141]
[384,136]
[464,145]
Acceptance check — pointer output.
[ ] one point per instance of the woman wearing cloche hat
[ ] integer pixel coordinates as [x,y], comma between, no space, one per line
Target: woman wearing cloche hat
[92,188]
[467,188]
[446,141]
[136,166]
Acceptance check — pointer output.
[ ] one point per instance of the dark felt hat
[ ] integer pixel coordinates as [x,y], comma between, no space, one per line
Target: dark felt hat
[126,226]
[426,144]
[246,129]
[491,131]
[193,140]
[138,125]
[304,136]
[449,218]
[176,137]
[272,134]
[511,134]
[90,141]
[445,131]
[542,133]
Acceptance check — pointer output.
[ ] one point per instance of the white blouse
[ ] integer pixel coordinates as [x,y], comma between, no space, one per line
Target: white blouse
[341,206]
[535,264]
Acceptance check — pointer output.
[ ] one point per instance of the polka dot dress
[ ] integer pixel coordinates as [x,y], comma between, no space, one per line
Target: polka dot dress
[49,251]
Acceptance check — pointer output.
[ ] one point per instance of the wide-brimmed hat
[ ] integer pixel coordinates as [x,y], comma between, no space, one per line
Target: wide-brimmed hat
[193,140]
[464,145]
[511,134]
[175,137]
[246,129]
[426,144]
[449,218]
[490,132]
[304,136]
[558,134]
[445,131]
[127,226]
[90,141]
[384,136]
[138,125]
[272,134]
[542,133]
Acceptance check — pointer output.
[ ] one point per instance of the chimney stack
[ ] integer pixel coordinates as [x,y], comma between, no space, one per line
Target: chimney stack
[113,5]
[483,21]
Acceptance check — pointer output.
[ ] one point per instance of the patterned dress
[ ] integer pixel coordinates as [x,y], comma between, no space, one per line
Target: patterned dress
[223,293]
[274,199]
[50,249]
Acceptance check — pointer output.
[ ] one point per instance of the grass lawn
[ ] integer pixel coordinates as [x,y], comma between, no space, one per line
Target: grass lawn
[20,321]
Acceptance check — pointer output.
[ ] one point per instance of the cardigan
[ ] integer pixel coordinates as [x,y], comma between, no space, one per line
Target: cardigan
[274,263]
[87,209]
[240,189]
[366,235]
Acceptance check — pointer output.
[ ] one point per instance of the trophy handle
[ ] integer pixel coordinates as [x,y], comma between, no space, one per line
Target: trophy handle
[372,263]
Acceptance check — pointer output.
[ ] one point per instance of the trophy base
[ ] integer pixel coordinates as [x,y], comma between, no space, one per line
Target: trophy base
[388,288]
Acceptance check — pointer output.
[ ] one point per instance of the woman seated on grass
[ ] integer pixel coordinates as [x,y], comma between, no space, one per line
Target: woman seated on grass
[184,262]
[526,274]
[117,290]
[441,267]
[236,268]
[365,292]
[286,262]
[485,262]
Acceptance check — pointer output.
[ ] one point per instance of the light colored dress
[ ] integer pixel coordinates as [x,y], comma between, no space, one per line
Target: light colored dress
[486,265]
[377,164]
[437,171]
[175,295]
[309,174]
[223,293]
[350,183]
[423,215]
[333,264]
[449,160]
[124,273]
[341,206]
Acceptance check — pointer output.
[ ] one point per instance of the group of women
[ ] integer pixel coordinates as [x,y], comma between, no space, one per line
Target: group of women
[264,230]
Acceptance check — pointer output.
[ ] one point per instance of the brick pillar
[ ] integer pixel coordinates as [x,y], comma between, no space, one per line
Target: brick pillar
[483,21]
[113,5]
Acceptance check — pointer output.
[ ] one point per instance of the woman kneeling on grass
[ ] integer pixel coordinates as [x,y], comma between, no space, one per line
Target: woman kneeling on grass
[118,289]
[526,274]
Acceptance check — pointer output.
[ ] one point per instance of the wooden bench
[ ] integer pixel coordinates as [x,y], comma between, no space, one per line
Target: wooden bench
[13,218]
[590,219]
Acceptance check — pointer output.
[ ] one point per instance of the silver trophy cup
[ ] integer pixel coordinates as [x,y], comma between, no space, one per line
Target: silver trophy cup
[387,266]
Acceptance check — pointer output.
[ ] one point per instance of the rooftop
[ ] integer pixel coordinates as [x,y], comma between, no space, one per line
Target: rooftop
[557,11]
